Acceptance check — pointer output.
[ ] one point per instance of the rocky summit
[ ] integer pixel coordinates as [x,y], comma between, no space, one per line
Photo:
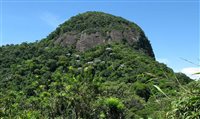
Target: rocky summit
[90,29]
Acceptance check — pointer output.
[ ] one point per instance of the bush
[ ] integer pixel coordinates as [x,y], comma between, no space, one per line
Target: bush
[187,105]
[115,108]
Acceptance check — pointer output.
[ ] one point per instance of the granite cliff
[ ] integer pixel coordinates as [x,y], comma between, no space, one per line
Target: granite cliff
[90,29]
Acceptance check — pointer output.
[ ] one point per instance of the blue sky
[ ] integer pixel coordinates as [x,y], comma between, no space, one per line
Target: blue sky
[172,26]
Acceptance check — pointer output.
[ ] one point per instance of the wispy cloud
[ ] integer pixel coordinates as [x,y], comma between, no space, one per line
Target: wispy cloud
[190,71]
[51,19]
[163,60]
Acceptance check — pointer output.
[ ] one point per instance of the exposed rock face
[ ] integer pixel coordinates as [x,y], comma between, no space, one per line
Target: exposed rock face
[115,36]
[131,37]
[90,29]
[88,41]
[69,38]
[84,41]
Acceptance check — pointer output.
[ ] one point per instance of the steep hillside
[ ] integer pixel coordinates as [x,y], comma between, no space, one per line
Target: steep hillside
[40,81]
[109,81]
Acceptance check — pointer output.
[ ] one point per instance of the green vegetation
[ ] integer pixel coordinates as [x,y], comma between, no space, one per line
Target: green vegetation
[42,80]
[187,105]
[90,22]
[114,81]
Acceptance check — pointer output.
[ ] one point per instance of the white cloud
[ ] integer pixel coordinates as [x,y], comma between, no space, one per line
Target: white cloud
[190,71]
[50,19]
[163,60]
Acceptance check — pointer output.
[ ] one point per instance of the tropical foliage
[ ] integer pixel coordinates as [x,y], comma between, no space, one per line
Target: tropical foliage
[42,80]
[114,81]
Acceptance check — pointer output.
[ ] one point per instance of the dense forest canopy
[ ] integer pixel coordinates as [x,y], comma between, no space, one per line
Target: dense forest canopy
[110,81]
[92,22]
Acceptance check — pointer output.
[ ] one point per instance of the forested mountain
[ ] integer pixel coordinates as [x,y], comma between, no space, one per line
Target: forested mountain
[93,66]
